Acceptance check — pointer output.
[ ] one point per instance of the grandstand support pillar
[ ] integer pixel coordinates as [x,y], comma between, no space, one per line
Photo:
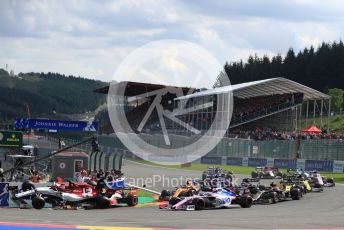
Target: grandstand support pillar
[295,120]
[321,113]
[307,113]
[329,116]
[300,117]
[314,104]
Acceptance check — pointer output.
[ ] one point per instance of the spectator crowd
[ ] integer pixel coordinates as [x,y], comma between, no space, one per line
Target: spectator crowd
[262,134]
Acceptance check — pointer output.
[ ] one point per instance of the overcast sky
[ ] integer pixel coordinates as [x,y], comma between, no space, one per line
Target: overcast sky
[91,38]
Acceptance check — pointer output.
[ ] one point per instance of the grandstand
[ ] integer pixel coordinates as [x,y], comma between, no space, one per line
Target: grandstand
[276,103]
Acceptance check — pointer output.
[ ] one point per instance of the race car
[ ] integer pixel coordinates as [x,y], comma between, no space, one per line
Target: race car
[316,182]
[87,194]
[185,190]
[287,189]
[259,193]
[216,172]
[62,195]
[329,182]
[217,198]
[118,192]
[266,173]
[311,179]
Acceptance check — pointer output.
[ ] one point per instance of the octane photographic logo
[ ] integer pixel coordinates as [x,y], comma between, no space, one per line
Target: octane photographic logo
[180,68]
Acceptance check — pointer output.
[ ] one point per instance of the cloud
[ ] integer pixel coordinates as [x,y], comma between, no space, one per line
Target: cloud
[91,38]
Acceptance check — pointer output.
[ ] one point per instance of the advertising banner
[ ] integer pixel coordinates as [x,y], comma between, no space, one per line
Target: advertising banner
[301,164]
[11,139]
[89,126]
[211,160]
[338,166]
[285,163]
[234,161]
[319,165]
[257,162]
[270,162]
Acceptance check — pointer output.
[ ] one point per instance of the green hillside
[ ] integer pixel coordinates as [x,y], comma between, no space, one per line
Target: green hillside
[49,95]
[320,68]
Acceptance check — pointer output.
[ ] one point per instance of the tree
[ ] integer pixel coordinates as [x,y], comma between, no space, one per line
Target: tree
[337,98]
[320,68]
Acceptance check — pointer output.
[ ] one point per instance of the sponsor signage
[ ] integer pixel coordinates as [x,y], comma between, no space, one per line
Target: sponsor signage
[338,166]
[211,160]
[319,165]
[257,162]
[270,162]
[234,161]
[301,164]
[285,163]
[11,139]
[90,126]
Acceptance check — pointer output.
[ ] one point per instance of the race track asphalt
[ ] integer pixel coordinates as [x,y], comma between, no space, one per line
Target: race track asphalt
[315,210]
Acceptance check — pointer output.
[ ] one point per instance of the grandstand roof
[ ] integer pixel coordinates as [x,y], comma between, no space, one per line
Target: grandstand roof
[136,88]
[272,86]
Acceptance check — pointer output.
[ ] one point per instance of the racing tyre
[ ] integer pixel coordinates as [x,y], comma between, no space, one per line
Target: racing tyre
[254,190]
[331,182]
[261,175]
[295,194]
[229,177]
[246,201]
[174,200]
[204,176]
[38,202]
[279,174]
[199,204]
[164,194]
[254,174]
[317,185]
[131,200]
[27,185]
[103,202]
[274,197]
[304,189]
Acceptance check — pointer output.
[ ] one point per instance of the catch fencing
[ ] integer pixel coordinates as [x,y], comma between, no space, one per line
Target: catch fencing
[324,149]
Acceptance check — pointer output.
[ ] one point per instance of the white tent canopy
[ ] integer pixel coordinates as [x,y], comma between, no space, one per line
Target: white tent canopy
[272,86]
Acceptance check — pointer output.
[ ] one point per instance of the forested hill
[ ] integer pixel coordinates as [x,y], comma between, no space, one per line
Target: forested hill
[321,68]
[48,95]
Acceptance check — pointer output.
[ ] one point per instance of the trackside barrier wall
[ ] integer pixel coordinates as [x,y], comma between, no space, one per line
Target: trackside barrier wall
[321,155]
[319,165]
[102,156]
[118,161]
[92,165]
[112,159]
[324,149]
[106,160]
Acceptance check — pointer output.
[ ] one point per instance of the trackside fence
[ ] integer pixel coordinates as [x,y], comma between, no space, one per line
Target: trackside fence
[321,155]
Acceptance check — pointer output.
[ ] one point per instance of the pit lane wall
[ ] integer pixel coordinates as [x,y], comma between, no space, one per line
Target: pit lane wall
[319,165]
